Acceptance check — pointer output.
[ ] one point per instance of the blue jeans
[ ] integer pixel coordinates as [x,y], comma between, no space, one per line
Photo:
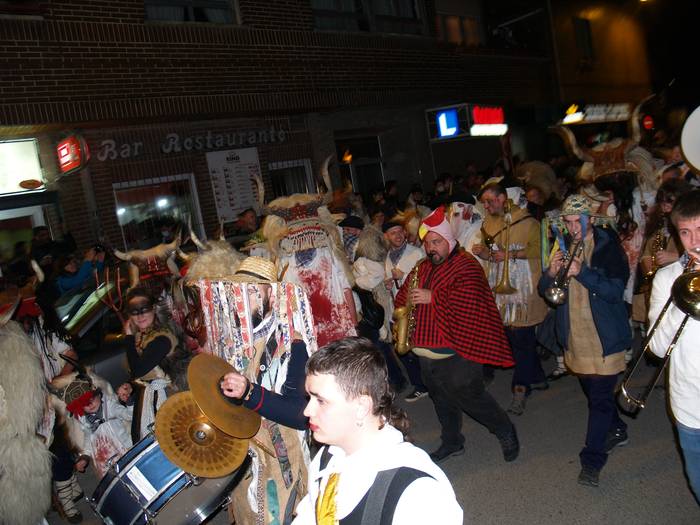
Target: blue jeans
[602,418]
[690,444]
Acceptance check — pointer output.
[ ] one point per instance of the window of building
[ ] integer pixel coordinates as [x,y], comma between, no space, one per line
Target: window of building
[211,11]
[458,30]
[384,16]
[144,206]
[20,168]
[291,176]
[361,164]
[339,15]
[584,39]
[21,8]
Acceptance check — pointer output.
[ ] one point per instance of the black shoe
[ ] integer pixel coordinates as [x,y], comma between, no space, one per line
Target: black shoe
[617,438]
[444,452]
[539,386]
[588,476]
[75,518]
[510,445]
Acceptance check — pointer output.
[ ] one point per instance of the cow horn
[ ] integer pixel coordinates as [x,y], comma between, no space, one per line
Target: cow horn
[570,142]
[9,312]
[199,244]
[123,256]
[222,237]
[326,177]
[184,256]
[261,191]
[37,271]
[172,266]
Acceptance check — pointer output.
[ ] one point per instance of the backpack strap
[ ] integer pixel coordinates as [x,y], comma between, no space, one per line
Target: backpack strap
[385,493]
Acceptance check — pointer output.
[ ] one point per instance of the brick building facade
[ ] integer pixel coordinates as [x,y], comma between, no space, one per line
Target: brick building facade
[271,80]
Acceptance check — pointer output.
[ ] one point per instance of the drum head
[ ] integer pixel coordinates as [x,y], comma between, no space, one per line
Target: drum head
[190,440]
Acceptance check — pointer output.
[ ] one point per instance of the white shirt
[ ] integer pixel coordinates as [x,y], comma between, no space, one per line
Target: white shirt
[684,373]
[426,500]
[410,256]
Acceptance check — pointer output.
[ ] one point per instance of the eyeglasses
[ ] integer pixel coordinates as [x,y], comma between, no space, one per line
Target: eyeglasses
[140,311]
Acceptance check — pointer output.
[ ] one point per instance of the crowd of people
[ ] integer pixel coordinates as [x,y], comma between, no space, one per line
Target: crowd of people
[334,307]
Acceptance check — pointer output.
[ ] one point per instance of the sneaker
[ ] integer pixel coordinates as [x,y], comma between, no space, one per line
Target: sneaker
[557,373]
[415,396]
[616,438]
[517,406]
[588,476]
[444,452]
[510,445]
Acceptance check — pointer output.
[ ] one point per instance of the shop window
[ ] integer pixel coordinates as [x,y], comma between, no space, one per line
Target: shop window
[211,11]
[147,207]
[289,177]
[20,169]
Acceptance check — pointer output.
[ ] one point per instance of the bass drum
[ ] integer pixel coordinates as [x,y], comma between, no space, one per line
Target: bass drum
[144,487]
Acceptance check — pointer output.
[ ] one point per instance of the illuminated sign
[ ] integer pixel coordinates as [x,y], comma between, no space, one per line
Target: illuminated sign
[488,121]
[594,113]
[648,122]
[20,169]
[448,123]
[72,154]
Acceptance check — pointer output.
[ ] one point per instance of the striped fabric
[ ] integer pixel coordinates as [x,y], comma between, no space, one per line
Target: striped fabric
[462,315]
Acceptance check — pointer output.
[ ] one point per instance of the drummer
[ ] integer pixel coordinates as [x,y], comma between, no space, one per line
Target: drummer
[276,317]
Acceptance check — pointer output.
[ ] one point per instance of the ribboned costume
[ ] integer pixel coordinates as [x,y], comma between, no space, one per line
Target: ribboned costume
[427,498]
[272,355]
[455,335]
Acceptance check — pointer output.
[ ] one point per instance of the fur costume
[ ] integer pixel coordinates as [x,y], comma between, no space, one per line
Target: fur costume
[368,270]
[25,461]
[465,220]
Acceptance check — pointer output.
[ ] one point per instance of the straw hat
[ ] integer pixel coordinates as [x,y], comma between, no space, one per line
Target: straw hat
[577,204]
[255,269]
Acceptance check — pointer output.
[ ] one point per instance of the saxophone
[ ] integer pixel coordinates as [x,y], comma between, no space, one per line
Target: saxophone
[404,317]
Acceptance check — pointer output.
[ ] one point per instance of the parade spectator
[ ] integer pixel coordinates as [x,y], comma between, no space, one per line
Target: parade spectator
[45,250]
[72,275]
[592,326]
[684,373]
[457,331]
[368,471]
[351,227]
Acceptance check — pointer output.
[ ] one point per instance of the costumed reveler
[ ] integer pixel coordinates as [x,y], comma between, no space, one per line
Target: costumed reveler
[522,309]
[303,237]
[265,330]
[25,461]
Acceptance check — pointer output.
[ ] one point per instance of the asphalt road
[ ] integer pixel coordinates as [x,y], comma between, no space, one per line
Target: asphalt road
[642,483]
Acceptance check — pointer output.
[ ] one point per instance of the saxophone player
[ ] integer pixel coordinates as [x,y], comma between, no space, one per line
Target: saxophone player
[457,330]
[593,328]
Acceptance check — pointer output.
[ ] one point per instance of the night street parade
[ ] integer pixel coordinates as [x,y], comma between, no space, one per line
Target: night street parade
[349,262]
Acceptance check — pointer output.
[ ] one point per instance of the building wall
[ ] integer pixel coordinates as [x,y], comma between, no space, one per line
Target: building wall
[619,69]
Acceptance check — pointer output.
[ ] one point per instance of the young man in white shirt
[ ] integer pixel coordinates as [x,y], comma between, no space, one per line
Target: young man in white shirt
[368,473]
[684,373]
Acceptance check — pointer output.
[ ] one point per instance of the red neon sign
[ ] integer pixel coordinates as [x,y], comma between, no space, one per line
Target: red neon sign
[72,154]
[648,122]
[487,115]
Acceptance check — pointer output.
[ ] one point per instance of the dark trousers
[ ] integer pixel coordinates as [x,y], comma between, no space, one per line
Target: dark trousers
[602,418]
[411,363]
[528,369]
[396,377]
[456,385]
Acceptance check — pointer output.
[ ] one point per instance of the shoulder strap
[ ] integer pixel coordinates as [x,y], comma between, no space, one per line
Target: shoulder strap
[325,458]
[385,493]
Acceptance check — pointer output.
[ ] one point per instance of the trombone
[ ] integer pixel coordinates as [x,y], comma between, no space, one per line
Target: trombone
[685,294]
[503,286]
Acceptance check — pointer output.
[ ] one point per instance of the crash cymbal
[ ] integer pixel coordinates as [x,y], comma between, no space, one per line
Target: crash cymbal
[193,443]
[204,375]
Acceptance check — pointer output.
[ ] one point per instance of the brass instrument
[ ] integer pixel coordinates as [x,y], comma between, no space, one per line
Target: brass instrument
[404,316]
[685,294]
[503,286]
[658,244]
[556,294]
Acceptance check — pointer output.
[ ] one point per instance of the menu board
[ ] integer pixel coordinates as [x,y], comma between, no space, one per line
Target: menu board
[232,173]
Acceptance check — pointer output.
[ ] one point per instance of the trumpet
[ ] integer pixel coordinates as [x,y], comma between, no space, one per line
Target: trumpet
[685,294]
[556,294]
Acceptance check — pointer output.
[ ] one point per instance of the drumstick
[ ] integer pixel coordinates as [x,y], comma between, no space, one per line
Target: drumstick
[264,448]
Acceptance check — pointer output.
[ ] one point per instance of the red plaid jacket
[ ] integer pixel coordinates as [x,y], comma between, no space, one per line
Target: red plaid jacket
[462,315]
